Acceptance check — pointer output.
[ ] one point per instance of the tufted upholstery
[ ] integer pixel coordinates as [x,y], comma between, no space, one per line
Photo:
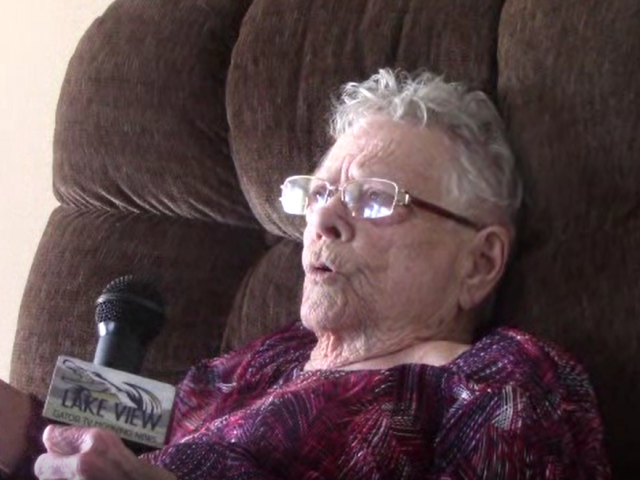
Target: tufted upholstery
[177,122]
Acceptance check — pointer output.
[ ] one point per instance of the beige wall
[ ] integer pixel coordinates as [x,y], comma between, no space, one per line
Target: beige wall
[37,38]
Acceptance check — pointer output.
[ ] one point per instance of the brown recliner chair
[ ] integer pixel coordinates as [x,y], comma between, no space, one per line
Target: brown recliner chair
[178,121]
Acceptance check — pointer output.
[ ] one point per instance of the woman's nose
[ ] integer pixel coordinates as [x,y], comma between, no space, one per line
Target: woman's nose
[332,220]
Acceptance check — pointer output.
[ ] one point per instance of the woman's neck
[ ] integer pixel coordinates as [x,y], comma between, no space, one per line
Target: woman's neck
[361,352]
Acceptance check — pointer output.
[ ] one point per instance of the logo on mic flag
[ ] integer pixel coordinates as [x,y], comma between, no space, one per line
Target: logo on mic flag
[88,395]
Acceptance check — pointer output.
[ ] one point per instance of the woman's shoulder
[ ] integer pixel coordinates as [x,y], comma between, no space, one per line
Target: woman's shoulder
[528,399]
[293,335]
[508,357]
[267,355]
[275,354]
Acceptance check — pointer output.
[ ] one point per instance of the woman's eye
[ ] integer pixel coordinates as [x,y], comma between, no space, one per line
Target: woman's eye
[317,192]
[373,195]
[377,196]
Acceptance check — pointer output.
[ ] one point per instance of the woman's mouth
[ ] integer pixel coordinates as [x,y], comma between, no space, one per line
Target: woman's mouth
[322,267]
[321,271]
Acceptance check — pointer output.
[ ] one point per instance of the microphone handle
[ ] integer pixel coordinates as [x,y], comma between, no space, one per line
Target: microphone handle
[118,348]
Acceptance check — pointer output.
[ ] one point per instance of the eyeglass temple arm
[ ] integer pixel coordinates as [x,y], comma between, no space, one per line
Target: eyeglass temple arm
[430,207]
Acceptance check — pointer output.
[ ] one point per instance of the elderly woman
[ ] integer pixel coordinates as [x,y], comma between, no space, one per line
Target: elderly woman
[409,227]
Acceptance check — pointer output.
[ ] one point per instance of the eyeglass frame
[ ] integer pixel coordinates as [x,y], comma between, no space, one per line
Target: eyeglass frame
[406,200]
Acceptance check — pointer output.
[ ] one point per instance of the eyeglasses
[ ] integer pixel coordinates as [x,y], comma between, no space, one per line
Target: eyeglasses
[364,197]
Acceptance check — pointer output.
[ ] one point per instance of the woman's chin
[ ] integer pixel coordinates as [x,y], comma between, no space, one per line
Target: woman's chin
[316,316]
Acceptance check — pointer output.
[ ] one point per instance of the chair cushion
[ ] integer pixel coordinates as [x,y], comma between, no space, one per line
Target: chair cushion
[141,123]
[570,91]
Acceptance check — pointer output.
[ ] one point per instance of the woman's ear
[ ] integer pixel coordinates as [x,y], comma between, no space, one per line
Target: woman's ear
[486,262]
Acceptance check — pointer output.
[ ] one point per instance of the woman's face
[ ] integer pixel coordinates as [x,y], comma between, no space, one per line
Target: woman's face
[391,276]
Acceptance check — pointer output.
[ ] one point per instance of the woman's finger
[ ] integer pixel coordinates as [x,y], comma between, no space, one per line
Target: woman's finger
[71,440]
[51,466]
[64,440]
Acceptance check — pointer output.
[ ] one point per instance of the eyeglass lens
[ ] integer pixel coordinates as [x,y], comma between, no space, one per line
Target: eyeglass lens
[366,198]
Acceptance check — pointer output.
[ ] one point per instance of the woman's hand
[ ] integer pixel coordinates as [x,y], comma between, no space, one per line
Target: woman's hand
[75,453]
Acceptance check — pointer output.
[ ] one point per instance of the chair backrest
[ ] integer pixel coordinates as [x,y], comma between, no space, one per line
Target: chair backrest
[146,184]
[146,166]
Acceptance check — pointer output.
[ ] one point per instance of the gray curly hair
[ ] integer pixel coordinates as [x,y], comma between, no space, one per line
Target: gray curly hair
[484,181]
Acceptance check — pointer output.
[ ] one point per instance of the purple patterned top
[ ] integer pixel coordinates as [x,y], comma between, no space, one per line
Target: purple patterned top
[511,407]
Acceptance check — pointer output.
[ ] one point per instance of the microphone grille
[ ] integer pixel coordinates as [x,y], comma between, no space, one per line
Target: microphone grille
[134,301]
[141,286]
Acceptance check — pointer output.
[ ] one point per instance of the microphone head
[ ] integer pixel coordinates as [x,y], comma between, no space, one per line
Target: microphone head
[134,303]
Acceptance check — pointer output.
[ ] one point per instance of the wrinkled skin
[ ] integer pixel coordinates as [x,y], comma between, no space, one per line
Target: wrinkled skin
[403,288]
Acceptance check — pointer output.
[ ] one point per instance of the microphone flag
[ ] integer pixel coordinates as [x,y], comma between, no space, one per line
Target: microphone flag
[89,395]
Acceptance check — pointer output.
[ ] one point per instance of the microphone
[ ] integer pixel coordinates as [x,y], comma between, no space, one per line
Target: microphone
[109,393]
[129,314]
